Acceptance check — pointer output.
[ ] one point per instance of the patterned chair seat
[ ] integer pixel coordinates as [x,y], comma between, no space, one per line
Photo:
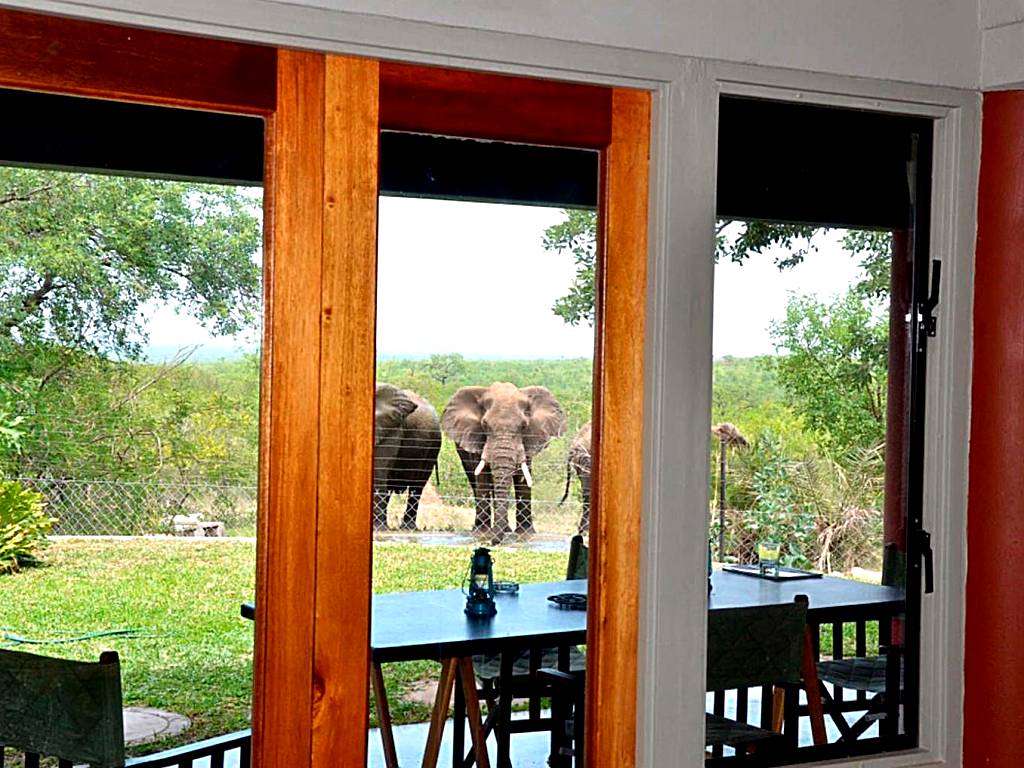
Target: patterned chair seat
[859,673]
[721,730]
[489,667]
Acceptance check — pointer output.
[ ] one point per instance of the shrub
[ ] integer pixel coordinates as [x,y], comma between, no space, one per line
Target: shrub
[23,526]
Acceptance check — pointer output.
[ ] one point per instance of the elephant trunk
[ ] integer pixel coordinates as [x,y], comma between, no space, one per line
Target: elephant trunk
[504,458]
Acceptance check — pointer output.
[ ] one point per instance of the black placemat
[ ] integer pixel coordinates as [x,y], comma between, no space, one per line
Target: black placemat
[785,574]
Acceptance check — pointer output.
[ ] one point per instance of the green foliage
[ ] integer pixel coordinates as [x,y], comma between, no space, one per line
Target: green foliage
[444,367]
[80,255]
[24,526]
[845,497]
[788,486]
[739,240]
[87,417]
[835,367]
[875,250]
[577,235]
[734,240]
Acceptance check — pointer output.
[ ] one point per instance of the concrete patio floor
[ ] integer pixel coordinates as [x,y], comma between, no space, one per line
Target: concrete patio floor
[530,750]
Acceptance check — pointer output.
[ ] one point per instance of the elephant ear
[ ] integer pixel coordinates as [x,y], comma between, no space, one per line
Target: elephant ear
[389,398]
[547,420]
[461,419]
[403,403]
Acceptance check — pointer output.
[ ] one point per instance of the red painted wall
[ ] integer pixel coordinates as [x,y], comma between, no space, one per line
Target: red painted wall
[994,685]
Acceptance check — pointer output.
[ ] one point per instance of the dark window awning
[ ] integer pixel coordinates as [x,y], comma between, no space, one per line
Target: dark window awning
[777,161]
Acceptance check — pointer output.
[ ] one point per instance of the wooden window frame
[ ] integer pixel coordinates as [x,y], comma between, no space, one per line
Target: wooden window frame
[323,115]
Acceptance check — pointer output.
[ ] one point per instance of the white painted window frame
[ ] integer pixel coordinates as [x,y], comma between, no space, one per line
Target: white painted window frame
[678,354]
[679,379]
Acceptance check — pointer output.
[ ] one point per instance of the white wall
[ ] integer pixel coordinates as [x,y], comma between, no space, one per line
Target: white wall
[1002,35]
[926,41]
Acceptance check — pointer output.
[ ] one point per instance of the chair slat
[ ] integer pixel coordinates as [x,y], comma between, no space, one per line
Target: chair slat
[31,760]
[741,705]
[766,706]
[837,653]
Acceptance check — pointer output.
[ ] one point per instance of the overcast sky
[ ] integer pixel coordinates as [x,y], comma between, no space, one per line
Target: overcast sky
[473,278]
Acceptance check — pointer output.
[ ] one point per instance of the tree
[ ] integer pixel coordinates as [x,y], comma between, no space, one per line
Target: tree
[734,240]
[577,235]
[81,255]
[444,367]
[834,365]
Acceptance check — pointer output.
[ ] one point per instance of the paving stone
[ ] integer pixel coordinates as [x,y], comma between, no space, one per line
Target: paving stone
[145,724]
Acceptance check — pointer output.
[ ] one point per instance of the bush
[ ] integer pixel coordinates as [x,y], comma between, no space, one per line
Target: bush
[23,526]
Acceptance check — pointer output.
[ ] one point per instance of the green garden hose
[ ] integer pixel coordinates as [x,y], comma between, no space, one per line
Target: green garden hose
[9,637]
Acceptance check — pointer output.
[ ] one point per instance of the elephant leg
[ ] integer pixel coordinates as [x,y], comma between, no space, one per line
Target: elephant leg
[524,505]
[412,506]
[380,509]
[484,491]
[585,515]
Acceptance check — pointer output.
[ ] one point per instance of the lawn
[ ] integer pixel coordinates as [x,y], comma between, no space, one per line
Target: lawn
[193,653]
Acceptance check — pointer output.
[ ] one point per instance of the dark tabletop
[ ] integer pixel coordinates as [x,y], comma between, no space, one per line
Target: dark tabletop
[829,598]
[432,625]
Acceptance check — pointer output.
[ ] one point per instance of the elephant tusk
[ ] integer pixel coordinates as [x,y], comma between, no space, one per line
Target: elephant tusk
[526,474]
[480,467]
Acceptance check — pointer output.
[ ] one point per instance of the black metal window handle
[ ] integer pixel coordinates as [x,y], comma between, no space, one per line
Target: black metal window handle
[929,561]
[928,324]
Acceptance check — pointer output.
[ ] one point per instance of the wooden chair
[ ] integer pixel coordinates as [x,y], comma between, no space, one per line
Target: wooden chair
[746,648]
[870,676]
[525,681]
[68,710]
[750,647]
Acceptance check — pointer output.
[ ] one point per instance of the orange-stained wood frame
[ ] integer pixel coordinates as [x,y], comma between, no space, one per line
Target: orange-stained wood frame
[48,53]
[617,495]
[323,115]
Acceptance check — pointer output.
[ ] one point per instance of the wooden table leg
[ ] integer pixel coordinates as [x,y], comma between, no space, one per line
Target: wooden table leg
[505,711]
[809,671]
[440,712]
[476,726]
[380,696]
[459,727]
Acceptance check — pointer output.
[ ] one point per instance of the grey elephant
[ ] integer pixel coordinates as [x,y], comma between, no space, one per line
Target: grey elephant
[579,460]
[498,430]
[406,441]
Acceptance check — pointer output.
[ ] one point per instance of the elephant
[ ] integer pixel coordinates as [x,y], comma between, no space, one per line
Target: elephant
[498,430]
[406,442]
[579,459]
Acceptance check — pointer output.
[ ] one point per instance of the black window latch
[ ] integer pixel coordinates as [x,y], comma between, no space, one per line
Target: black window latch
[925,547]
[929,305]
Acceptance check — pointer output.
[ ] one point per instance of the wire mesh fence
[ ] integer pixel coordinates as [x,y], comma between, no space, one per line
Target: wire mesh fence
[125,508]
[834,539]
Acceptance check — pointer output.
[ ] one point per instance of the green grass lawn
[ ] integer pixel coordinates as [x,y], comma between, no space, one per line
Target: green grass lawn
[195,655]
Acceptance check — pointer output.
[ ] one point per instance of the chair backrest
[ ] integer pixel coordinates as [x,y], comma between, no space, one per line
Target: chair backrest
[748,647]
[894,567]
[578,553]
[70,710]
